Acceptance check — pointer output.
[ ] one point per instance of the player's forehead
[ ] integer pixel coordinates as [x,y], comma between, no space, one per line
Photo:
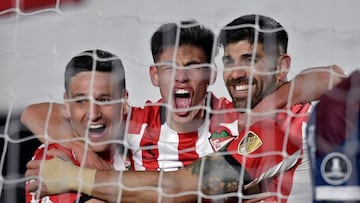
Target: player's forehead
[95,82]
[183,55]
[243,47]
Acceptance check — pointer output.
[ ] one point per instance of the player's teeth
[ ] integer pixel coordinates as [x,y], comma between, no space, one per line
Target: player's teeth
[241,87]
[182,91]
[96,126]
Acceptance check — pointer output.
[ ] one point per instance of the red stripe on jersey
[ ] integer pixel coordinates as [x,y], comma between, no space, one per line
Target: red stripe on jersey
[291,122]
[187,147]
[145,119]
[150,151]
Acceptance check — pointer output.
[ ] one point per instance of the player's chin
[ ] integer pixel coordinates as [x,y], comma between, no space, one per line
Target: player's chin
[240,103]
[99,147]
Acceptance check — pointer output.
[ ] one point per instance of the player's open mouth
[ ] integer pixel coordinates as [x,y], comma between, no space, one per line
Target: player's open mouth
[96,129]
[182,98]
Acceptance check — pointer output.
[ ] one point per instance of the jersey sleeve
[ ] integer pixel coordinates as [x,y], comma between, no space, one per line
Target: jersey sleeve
[268,155]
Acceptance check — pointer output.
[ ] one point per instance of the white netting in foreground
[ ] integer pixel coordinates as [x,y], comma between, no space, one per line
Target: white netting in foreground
[39,38]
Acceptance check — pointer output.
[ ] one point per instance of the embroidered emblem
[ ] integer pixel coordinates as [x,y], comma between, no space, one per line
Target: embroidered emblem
[249,143]
[220,138]
[336,168]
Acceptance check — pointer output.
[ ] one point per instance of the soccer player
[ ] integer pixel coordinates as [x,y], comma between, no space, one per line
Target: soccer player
[95,104]
[172,182]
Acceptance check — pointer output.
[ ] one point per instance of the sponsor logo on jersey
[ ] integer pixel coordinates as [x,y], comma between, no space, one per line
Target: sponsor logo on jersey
[249,143]
[220,138]
[335,168]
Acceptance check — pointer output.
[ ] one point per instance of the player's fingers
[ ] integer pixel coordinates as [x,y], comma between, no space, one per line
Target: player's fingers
[33,164]
[32,173]
[58,153]
[33,185]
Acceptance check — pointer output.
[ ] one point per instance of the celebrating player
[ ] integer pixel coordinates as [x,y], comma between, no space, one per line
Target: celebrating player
[95,104]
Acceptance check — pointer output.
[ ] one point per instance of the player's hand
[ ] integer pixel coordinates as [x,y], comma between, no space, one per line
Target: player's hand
[92,160]
[52,176]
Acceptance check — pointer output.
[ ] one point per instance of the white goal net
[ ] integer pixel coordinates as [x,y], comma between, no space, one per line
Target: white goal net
[38,38]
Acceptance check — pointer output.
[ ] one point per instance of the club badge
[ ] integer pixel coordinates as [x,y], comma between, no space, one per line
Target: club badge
[220,138]
[249,143]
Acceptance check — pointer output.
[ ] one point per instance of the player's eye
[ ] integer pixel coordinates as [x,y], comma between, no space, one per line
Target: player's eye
[81,101]
[227,61]
[195,67]
[104,100]
[247,60]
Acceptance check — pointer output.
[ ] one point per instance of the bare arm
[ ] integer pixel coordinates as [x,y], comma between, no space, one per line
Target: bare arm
[49,119]
[145,186]
[306,87]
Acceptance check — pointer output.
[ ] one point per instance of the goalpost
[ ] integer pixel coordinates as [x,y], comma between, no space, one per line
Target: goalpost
[37,39]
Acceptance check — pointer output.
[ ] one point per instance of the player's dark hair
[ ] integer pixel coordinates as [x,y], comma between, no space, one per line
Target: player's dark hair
[95,60]
[270,33]
[191,33]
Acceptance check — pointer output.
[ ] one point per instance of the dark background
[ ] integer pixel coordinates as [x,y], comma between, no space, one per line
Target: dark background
[16,146]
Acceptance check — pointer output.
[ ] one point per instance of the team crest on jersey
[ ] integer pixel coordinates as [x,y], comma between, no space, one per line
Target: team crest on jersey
[220,138]
[249,143]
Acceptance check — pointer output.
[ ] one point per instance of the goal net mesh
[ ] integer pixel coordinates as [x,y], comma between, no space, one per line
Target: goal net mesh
[38,38]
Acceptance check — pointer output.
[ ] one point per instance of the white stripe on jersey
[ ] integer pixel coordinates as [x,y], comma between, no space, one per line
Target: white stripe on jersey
[167,146]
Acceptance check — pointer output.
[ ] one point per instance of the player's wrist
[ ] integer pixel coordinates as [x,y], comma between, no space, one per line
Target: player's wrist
[60,176]
[86,183]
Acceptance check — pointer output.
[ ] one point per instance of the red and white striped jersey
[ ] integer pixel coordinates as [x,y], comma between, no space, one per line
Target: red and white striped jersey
[154,145]
[69,197]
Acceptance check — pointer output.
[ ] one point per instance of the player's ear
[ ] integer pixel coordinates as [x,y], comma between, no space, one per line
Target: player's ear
[213,74]
[283,66]
[67,106]
[154,75]
[125,104]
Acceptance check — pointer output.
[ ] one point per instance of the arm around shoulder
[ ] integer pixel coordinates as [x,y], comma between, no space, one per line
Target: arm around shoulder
[46,118]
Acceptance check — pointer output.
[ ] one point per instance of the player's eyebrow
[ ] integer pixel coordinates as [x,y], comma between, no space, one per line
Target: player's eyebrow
[192,63]
[102,96]
[79,95]
[248,55]
[189,63]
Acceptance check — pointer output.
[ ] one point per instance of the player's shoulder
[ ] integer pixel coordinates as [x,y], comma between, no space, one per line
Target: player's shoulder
[148,109]
[148,115]
[220,102]
[42,149]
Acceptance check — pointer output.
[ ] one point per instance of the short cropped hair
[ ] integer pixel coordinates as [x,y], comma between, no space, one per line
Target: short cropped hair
[271,33]
[95,60]
[191,33]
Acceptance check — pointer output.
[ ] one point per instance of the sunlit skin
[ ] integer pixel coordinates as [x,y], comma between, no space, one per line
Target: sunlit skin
[243,83]
[183,84]
[99,120]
